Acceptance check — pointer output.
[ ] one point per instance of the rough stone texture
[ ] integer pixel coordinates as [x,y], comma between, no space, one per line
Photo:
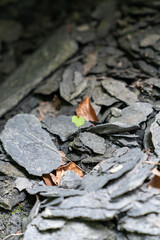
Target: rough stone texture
[70,180]
[51,84]
[9,196]
[155,131]
[62,126]
[29,145]
[76,230]
[94,142]
[44,61]
[134,114]
[119,90]
[148,224]
[54,191]
[73,82]
[110,128]
[110,169]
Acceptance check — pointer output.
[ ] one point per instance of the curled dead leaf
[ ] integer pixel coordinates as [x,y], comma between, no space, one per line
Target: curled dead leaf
[155,181]
[86,110]
[70,166]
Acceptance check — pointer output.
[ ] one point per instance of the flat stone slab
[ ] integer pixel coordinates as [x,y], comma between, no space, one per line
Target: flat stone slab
[75,230]
[44,61]
[62,126]
[119,90]
[155,131]
[29,145]
[110,128]
[134,114]
[94,142]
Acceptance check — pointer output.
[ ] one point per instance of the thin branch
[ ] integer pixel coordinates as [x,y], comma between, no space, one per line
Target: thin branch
[13,235]
[150,162]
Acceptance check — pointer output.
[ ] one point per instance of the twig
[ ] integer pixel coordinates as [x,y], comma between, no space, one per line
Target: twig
[12,235]
[150,162]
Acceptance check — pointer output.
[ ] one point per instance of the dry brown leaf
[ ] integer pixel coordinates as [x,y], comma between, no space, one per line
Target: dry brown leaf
[47,179]
[155,181]
[54,179]
[46,109]
[86,110]
[70,166]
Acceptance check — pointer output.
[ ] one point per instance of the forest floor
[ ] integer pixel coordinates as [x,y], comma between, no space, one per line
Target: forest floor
[80,121]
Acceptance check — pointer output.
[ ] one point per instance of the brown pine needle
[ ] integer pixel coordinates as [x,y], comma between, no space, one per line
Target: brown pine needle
[12,235]
[150,162]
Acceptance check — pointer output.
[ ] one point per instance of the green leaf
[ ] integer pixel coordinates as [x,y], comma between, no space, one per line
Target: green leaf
[79,121]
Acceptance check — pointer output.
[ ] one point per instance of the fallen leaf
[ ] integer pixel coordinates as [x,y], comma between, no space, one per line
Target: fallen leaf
[79,121]
[46,109]
[70,166]
[47,179]
[86,110]
[155,181]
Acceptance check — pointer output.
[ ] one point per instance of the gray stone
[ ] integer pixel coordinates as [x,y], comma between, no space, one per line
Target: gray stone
[141,208]
[10,170]
[119,90]
[44,61]
[110,128]
[94,142]
[62,126]
[110,169]
[46,224]
[148,224]
[134,114]
[150,40]
[84,34]
[22,183]
[72,82]
[51,84]
[101,98]
[54,191]
[9,196]
[70,180]
[133,179]
[29,145]
[75,230]
[155,131]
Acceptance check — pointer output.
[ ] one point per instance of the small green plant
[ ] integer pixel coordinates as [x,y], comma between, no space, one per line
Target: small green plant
[79,121]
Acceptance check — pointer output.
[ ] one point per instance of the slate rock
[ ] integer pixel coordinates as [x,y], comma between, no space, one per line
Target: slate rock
[29,145]
[134,114]
[91,206]
[133,179]
[155,131]
[119,90]
[45,60]
[111,169]
[75,230]
[72,83]
[46,224]
[70,180]
[54,191]
[150,40]
[62,126]
[51,84]
[9,196]
[148,224]
[10,170]
[110,128]
[94,142]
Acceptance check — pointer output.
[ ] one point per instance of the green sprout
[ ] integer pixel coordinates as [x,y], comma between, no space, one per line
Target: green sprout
[79,121]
